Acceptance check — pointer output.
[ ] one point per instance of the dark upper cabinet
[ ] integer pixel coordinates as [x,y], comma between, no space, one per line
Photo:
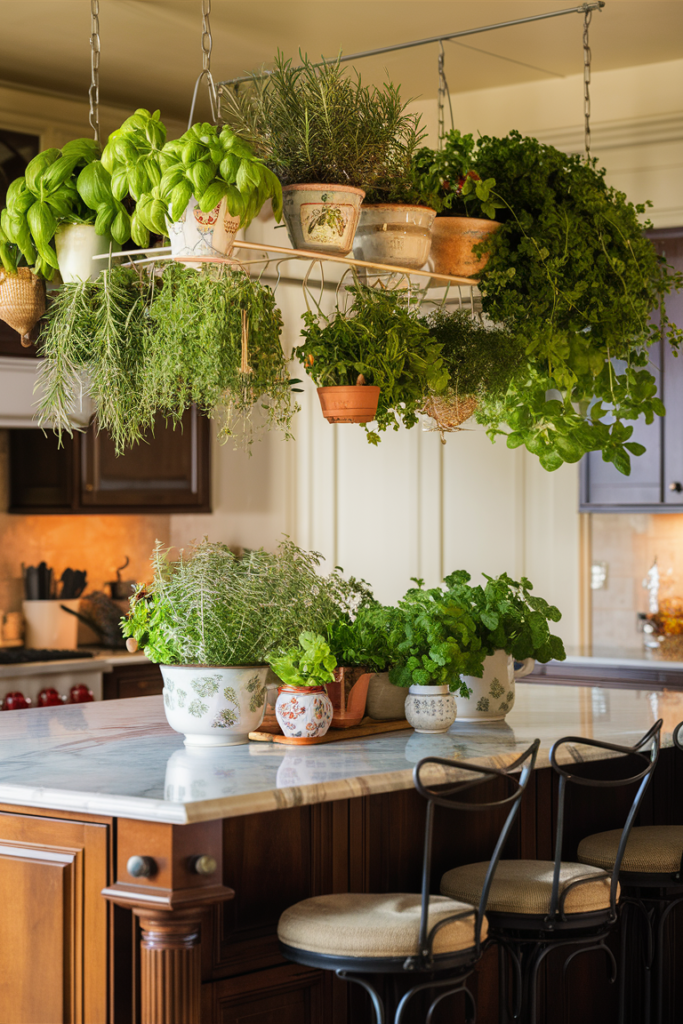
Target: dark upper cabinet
[169,472]
[656,480]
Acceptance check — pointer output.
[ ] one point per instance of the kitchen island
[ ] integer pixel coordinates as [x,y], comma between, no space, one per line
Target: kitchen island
[85,788]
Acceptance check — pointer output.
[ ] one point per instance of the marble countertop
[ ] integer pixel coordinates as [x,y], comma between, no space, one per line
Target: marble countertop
[120,758]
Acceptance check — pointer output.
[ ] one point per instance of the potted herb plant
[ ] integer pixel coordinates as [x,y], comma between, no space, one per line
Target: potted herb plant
[303,709]
[465,204]
[397,215]
[211,619]
[361,644]
[512,626]
[327,137]
[22,293]
[432,642]
[481,361]
[49,218]
[571,273]
[373,361]
[139,346]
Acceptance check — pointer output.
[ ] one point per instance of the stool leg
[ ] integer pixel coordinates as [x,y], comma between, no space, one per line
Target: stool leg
[377,1004]
[622,964]
[659,959]
[502,985]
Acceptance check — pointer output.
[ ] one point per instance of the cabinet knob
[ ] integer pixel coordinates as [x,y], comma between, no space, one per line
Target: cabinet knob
[203,865]
[89,487]
[141,867]
[676,486]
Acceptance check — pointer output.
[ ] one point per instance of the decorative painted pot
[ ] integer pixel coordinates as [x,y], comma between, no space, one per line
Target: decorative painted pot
[76,245]
[303,712]
[493,696]
[214,707]
[453,239]
[22,301]
[353,403]
[430,708]
[322,218]
[203,234]
[394,233]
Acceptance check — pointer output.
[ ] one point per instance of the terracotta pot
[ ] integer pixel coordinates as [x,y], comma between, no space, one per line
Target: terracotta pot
[394,233]
[22,301]
[355,403]
[203,234]
[322,218]
[304,712]
[453,239]
[348,693]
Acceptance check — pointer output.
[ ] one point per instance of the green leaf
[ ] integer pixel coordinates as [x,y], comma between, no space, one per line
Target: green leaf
[213,196]
[85,150]
[37,167]
[180,197]
[121,226]
[94,185]
[43,224]
[139,232]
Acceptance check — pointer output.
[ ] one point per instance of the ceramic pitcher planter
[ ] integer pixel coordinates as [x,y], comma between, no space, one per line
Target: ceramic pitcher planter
[453,239]
[214,707]
[430,708]
[76,245]
[203,234]
[303,712]
[355,403]
[322,218]
[394,233]
[493,696]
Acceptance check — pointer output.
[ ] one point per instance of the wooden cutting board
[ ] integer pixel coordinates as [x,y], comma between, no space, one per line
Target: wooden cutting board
[368,727]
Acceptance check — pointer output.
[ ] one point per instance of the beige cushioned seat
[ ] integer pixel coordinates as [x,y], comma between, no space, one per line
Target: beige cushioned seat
[651,849]
[525,887]
[365,925]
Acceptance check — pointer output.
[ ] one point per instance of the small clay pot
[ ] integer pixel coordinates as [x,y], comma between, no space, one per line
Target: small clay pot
[353,403]
[396,234]
[453,239]
[322,218]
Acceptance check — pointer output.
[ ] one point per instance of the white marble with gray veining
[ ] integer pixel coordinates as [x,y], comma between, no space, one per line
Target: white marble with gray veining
[120,758]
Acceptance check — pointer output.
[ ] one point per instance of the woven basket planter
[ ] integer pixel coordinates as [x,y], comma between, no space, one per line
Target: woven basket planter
[22,301]
[448,412]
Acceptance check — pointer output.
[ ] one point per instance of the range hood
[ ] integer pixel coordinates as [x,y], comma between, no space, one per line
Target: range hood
[19,396]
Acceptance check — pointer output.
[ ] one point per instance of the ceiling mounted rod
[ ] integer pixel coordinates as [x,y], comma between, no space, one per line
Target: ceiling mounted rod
[583,9]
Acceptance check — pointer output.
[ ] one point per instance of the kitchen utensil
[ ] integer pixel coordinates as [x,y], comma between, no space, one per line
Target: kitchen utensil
[73,584]
[120,589]
[100,613]
[31,584]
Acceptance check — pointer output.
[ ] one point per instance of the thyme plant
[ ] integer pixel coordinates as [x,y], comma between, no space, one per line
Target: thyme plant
[213,607]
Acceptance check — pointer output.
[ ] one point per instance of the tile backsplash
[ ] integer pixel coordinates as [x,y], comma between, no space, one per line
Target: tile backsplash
[627,545]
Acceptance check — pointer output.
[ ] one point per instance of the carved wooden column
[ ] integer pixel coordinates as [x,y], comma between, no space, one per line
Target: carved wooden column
[167,875]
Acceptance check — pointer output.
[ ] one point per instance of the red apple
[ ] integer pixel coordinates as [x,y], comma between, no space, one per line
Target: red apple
[49,698]
[15,702]
[80,694]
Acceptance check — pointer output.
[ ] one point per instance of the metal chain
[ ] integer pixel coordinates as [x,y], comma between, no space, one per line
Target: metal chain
[586,84]
[207,46]
[207,38]
[94,90]
[444,94]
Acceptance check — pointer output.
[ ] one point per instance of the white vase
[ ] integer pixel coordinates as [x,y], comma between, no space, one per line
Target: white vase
[76,245]
[493,696]
[303,712]
[203,234]
[214,707]
[430,708]
[322,218]
[394,233]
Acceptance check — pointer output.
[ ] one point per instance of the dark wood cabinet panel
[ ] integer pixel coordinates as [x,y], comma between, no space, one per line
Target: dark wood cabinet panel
[132,681]
[656,480]
[169,472]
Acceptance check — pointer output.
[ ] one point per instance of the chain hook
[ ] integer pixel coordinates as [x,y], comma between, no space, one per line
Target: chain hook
[207,46]
[444,94]
[586,84]
[94,90]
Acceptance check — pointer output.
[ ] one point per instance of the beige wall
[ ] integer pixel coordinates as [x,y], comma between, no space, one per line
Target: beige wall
[413,507]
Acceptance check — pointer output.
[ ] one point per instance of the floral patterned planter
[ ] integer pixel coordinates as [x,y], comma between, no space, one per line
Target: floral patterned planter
[214,707]
[430,708]
[493,696]
[303,712]
[322,218]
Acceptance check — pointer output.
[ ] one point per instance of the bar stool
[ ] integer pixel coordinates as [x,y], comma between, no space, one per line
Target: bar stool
[651,877]
[536,906]
[433,939]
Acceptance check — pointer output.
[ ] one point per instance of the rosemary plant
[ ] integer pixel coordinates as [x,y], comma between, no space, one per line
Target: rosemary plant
[212,607]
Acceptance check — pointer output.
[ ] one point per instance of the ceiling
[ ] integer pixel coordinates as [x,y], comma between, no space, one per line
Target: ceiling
[151,48]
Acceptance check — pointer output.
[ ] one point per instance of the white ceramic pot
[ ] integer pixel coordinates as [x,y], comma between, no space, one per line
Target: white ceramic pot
[214,707]
[49,627]
[76,245]
[394,233]
[322,218]
[430,708]
[493,696]
[303,712]
[203,234]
